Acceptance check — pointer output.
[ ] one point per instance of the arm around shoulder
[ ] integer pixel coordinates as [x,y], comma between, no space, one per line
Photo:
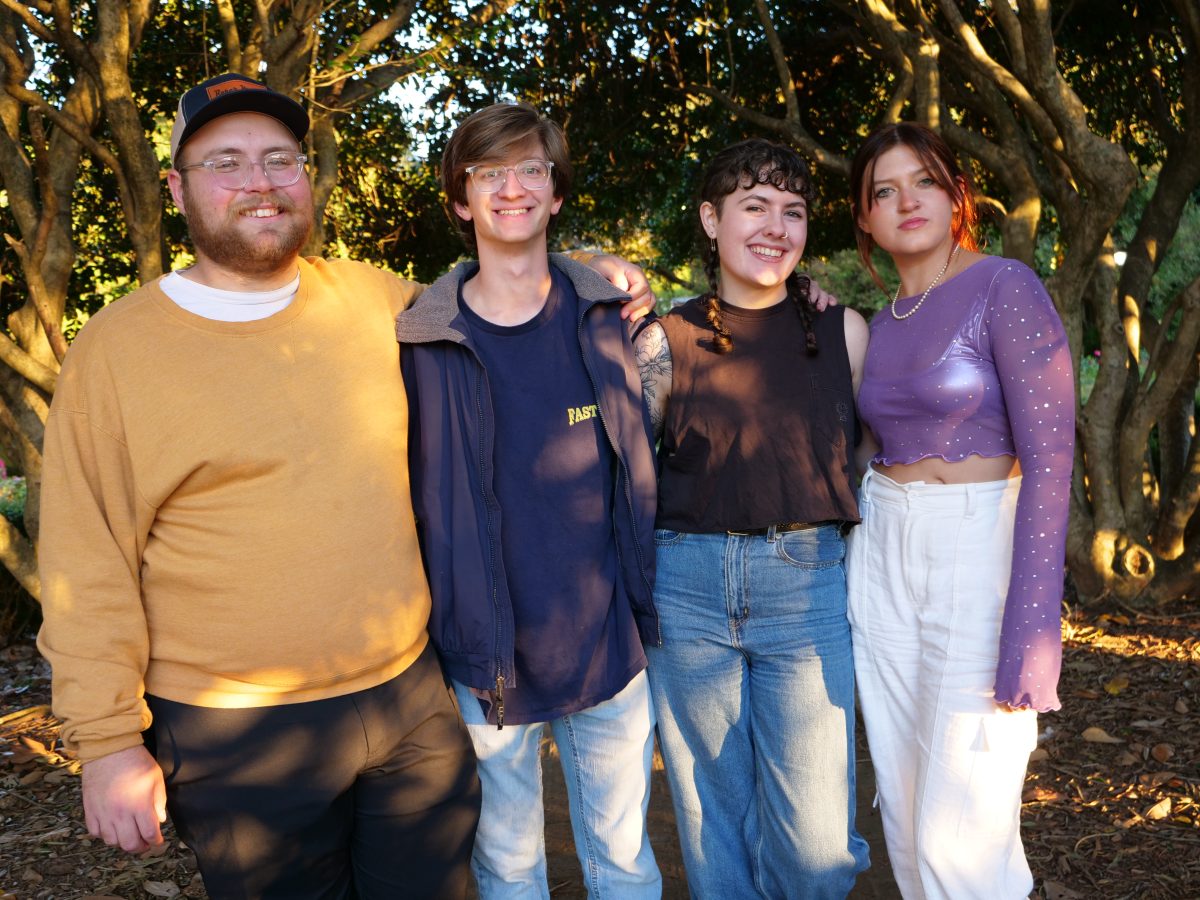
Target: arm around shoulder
[407,293]
[624,276]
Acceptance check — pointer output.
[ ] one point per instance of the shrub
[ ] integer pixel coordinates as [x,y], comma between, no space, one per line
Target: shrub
[12,498]
[19,613]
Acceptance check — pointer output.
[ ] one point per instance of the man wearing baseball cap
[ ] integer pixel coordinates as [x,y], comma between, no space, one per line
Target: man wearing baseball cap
[235,607]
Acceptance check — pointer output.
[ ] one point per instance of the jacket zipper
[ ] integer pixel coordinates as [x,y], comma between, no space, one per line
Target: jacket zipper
[491,553]
[499,701]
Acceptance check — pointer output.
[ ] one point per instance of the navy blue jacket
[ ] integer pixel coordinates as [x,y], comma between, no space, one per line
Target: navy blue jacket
[451,440]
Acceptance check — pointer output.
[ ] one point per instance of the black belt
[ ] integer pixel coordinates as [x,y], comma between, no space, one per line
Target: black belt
[784,527]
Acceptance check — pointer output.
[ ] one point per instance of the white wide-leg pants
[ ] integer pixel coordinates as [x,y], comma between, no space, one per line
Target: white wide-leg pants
[928,574]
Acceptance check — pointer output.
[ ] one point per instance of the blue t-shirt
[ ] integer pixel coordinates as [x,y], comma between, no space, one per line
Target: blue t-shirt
[555,475]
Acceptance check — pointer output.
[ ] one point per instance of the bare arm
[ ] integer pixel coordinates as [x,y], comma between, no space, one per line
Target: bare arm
[653,355]
[866,449]
[857,337]
[125,799]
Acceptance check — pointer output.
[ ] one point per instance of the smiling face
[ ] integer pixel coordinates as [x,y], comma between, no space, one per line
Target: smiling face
[760,233]
[249,237]
[904,208]
[513,216]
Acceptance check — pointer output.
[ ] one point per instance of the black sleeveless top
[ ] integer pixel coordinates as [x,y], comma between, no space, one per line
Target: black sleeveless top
[761,435]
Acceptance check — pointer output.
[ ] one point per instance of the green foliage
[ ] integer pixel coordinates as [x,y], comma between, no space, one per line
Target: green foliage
[387,207]
[614,75]
[12,499]
[842,274]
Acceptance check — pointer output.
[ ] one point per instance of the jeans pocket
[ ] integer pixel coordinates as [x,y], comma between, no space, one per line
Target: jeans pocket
[812,548]
[665,537]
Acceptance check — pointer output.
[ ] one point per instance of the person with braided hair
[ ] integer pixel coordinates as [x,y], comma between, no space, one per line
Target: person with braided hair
[752,394]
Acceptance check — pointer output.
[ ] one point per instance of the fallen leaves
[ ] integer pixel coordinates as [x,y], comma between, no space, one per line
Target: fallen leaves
[1112,801]
[1162,752]
[44,847]
[1159,810]
[1116,684]
[1152,780]
[1098,735]
[161,888]
[1055,890]
[1038,794]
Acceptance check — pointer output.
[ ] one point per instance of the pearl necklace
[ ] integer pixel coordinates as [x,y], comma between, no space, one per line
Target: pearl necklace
[932,285]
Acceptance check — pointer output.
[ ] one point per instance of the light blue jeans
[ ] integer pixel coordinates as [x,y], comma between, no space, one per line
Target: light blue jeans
[754,690]
[606,753]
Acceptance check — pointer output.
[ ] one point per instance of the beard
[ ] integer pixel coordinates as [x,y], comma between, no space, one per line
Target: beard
[218,238]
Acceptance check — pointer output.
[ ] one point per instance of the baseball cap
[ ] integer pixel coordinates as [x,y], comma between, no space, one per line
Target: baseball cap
[230,93]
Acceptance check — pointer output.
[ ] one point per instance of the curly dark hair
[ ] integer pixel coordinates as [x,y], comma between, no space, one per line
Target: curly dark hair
[744,165]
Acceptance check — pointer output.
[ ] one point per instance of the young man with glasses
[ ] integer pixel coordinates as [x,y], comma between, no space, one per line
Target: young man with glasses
[233,589]
[533,483]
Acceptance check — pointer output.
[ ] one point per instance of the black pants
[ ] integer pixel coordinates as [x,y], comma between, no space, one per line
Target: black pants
[370,795]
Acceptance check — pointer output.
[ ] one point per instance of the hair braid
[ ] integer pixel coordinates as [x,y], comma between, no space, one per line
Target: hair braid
[798,290]
[722,341]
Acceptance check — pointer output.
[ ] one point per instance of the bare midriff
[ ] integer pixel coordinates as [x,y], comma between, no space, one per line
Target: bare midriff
[935,470]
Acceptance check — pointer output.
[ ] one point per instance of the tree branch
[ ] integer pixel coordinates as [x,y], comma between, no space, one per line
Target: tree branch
[41,376]
[782,70]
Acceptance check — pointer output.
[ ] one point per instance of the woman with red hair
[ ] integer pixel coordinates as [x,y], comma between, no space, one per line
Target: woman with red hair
[956,570]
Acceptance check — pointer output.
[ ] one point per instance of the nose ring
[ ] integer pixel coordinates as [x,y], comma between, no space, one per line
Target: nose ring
[784,236]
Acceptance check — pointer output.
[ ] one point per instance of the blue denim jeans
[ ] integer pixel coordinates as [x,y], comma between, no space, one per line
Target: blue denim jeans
[606,752]
[754,690]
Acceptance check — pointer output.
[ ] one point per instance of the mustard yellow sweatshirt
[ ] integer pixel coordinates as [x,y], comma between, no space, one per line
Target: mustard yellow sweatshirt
[226,518]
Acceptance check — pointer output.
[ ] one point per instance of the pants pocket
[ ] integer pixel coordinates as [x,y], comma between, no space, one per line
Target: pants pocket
[999,757]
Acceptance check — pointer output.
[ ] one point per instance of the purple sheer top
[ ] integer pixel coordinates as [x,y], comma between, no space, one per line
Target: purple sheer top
[985,368]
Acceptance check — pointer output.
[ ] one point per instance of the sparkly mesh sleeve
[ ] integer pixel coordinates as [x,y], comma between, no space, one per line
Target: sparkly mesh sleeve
[1033,360]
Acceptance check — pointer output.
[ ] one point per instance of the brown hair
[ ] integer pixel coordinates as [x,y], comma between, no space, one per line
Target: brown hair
[490,135]
[744,165]
[936,156]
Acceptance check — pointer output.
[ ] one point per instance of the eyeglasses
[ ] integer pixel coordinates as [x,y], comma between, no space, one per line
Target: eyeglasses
[234,170]
[532,174]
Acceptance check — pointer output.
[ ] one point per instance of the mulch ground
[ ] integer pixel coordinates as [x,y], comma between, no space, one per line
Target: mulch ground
[1112,799]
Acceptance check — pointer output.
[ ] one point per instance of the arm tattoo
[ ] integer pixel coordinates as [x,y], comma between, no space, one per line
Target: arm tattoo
[653,355]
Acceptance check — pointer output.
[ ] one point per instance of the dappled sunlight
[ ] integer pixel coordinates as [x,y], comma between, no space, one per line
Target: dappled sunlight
[1111,791]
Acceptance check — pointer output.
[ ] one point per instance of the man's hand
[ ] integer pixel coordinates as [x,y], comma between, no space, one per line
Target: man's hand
[629,278]
[125,799]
